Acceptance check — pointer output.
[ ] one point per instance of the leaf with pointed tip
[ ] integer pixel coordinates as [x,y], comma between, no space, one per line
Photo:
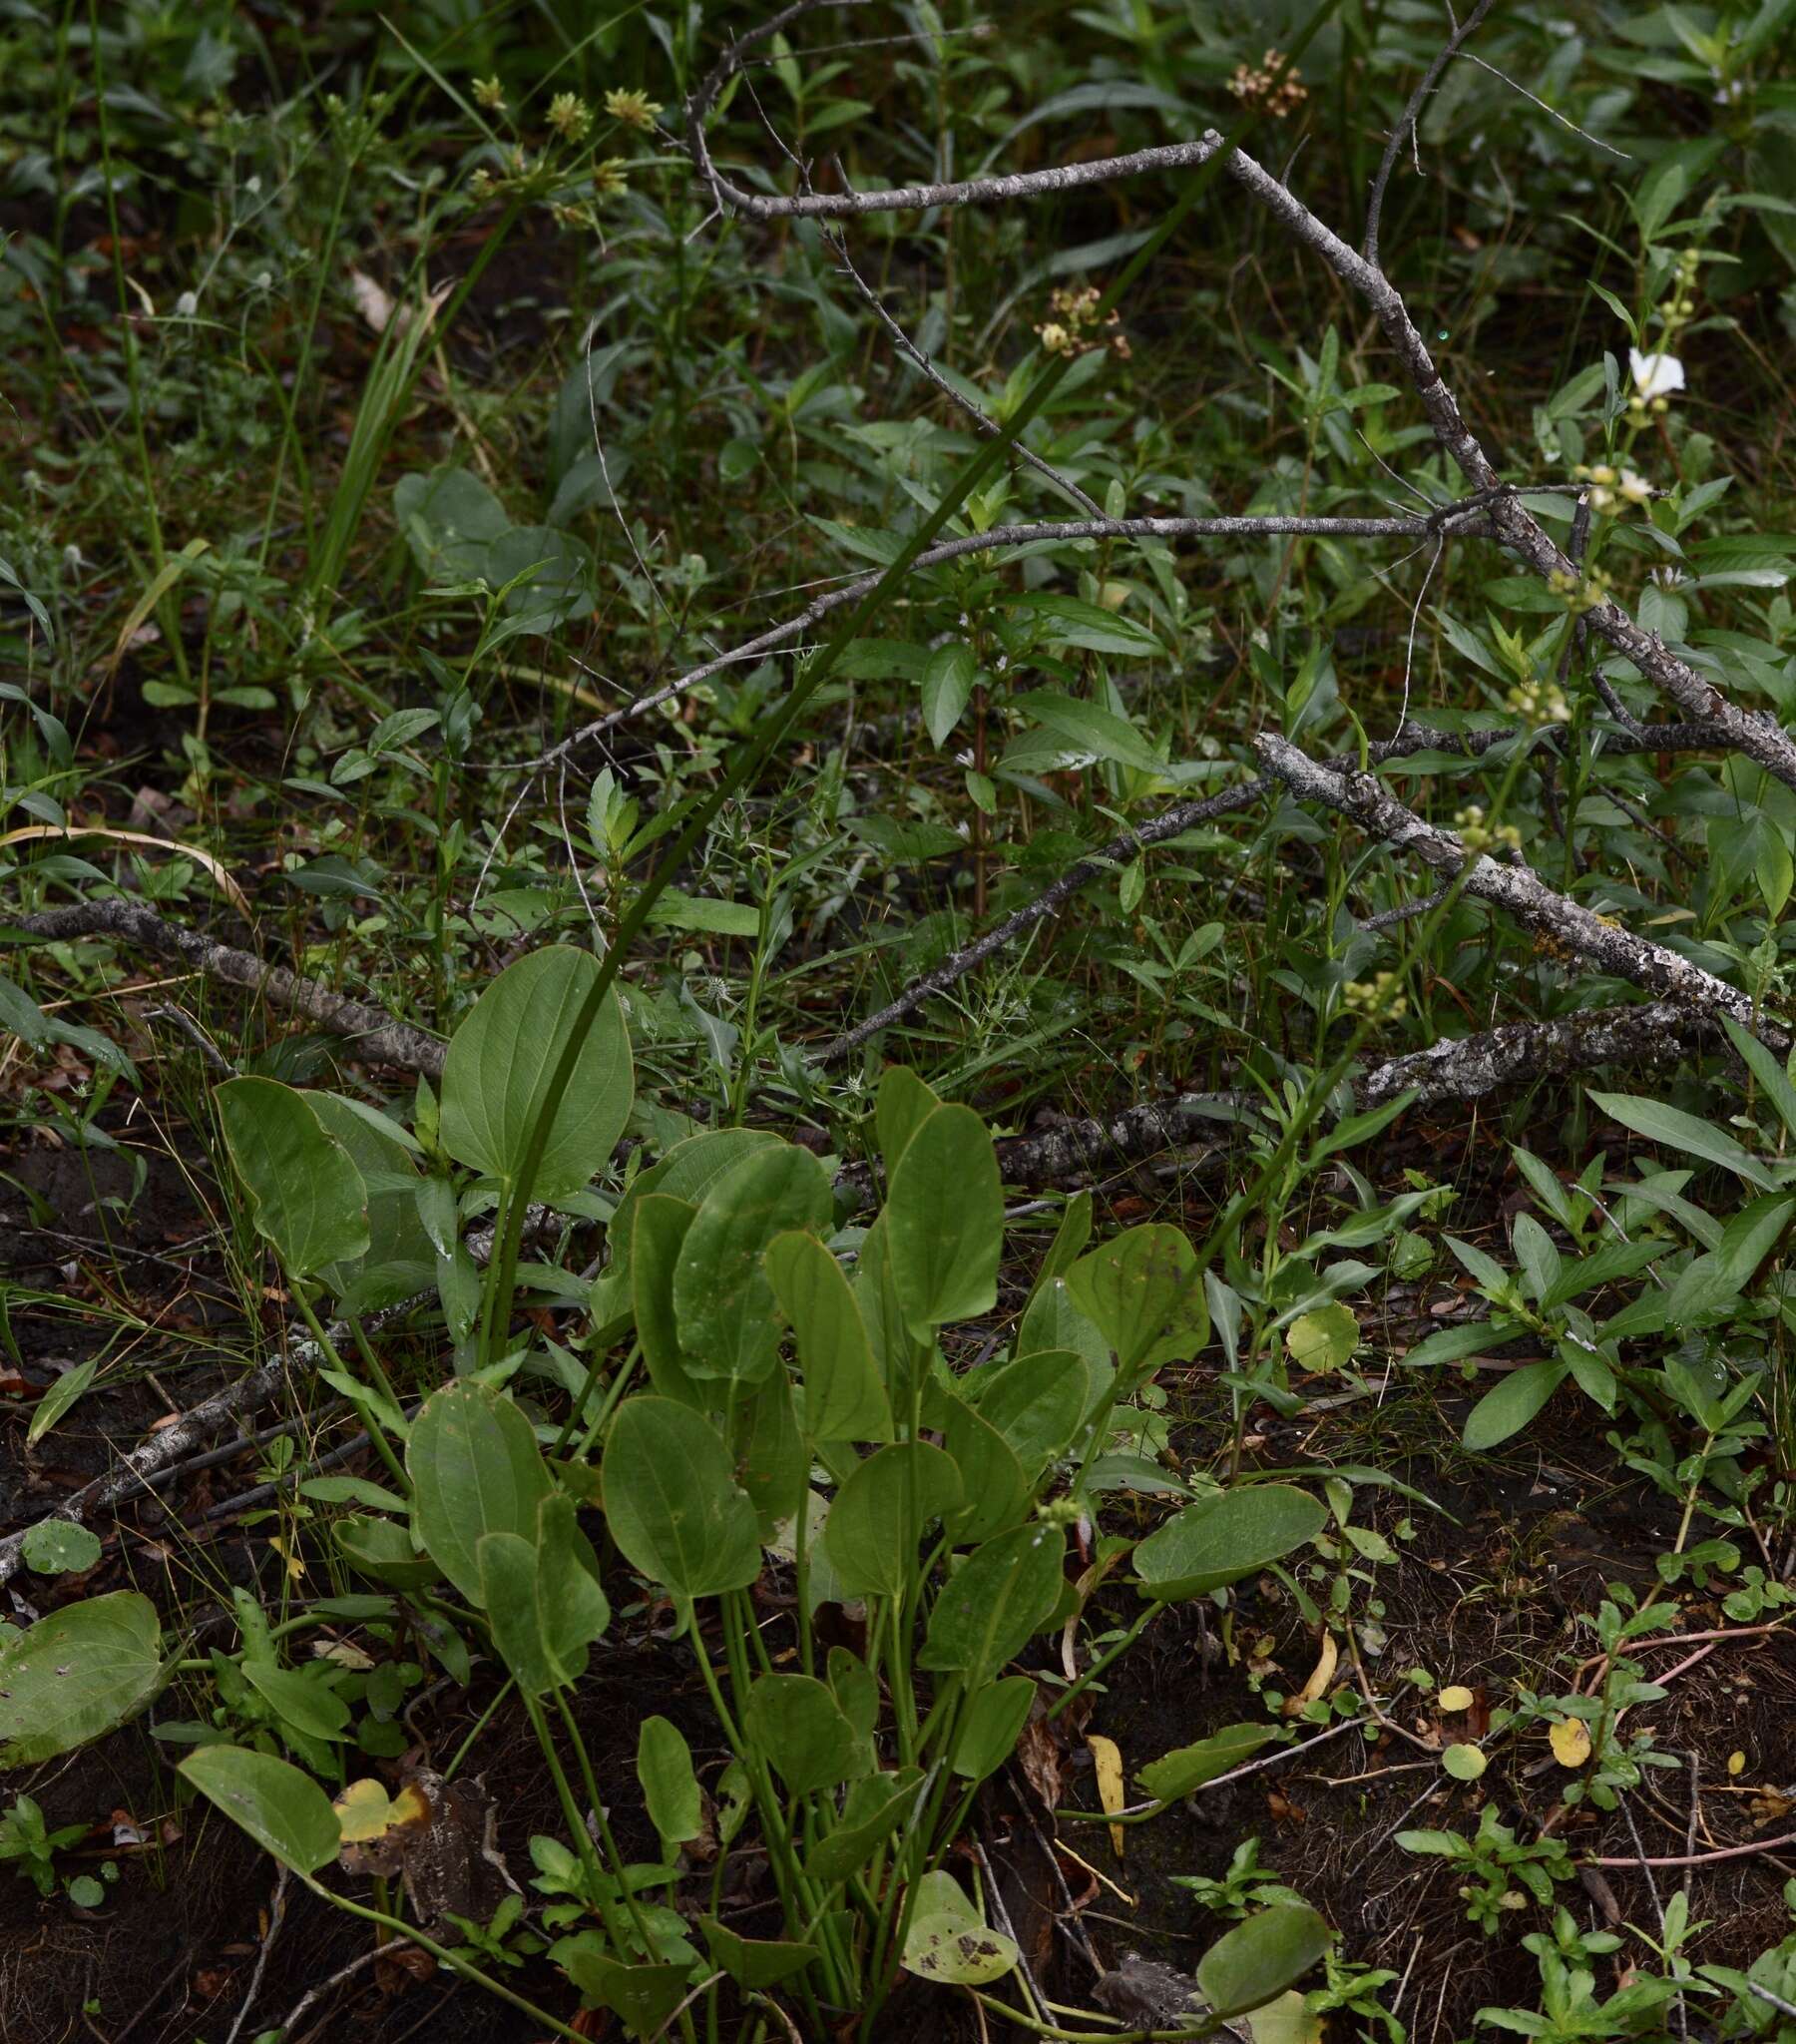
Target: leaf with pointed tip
[283,1811]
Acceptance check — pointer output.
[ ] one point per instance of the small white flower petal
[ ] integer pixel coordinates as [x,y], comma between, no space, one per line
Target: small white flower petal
[1656,375]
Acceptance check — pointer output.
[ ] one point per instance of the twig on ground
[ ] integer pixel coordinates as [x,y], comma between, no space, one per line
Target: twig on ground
[1517,889]
[981,418]
[1173,822]
[313,1995]
[378,1038]
[1745,1851]
[1476,526]
[140,1469]
[276,1915]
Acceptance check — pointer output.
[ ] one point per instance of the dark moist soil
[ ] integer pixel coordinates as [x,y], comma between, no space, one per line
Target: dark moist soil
[1486,1597]
[1493,1589]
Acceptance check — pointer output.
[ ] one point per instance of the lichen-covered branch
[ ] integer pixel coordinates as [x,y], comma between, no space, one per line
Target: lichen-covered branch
[1468,1067]
[373,1036]
[1557,920]
[1172,822]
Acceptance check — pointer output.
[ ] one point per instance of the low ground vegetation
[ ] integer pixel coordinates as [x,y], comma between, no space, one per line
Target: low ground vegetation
[900,1083]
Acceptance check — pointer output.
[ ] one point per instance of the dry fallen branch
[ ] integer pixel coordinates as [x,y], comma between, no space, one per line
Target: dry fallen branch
[1408,120]
[1468,1067]
[137,1472]
[374,1037]
[1467,520]
[143,1470]
[1759,737]
[1188,815]
[1564,926]
[1077,1152]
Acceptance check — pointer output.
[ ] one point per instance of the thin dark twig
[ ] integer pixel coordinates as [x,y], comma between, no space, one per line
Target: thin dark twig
[1409,118]
[981,418]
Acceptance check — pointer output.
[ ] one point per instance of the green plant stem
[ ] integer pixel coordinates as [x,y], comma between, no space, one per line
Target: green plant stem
[463,1968]
[985,462]
[376,1432]
[1112,1653]
[480,1724]
[613,1393]
[1042,2029]
[638,1922]
[133,363]
[797,1895]
[583,1838]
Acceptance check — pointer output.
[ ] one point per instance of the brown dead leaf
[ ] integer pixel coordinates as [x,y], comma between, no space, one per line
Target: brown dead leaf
[1038,1756]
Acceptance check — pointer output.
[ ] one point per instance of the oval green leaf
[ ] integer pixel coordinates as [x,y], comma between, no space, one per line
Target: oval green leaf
[844,1399]
[1145,1293]
[944,1219]
[794,1722]
[79,1673]
[1221,1540]
[995,1601]
[1260,1958]
[283,1811]
[948,1940]
[671,1501]
[722,1299]
[499,1062]
[308,1197]
[475,1470]
[1189,1766]
[888,1499]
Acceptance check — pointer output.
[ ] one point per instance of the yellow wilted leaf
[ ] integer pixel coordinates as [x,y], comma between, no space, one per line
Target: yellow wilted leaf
[1285,2021]
[1571,1741]
[227,885]
[365,1811]
[1327,1660]
[1455,1696]
[1107,1758]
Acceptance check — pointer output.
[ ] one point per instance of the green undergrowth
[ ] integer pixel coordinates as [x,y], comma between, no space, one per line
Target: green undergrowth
[387,400]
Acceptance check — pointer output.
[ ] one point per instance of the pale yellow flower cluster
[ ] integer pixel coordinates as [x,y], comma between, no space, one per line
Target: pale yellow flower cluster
[1476,836]
[1075,329]
[1256,86]
[1366,996]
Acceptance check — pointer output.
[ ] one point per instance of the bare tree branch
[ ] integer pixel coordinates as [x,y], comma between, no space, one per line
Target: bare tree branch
[1470,520]
[1411,115]
[1517,889]
[1468,1067]
[1759,737]
[375,1036]
[1183,816]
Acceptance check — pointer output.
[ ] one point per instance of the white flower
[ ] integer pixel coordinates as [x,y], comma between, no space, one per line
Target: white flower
[1635,488]
[186,305]
[1655,374]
